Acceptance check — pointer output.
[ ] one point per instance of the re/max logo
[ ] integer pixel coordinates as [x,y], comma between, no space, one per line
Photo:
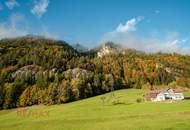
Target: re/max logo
[26,112]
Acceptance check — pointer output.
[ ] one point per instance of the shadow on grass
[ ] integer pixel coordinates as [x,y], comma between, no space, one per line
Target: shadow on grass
[117,104]
[121,103]
[187,98]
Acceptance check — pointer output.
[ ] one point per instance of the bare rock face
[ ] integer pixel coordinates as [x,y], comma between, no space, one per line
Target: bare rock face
[77,73]
[109,48]
[29,69]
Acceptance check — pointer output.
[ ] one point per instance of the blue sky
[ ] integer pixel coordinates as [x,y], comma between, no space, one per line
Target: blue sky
[148,25]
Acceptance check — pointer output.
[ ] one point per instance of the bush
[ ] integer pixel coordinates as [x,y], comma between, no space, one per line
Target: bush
[173,84]
[139,100]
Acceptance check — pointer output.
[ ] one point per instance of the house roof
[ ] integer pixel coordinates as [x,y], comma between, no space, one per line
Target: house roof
[152,94]
[178,91]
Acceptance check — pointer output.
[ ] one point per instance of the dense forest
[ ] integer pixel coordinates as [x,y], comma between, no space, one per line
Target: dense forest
[36,70]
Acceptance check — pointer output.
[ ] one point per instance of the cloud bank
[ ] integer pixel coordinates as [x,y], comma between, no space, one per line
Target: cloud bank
[17,25]
[126,35]
[40,7]
[11,4]
[14,27]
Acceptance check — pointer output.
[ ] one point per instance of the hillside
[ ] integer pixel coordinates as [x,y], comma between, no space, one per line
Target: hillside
[34,50]
[92,114]
[36,70]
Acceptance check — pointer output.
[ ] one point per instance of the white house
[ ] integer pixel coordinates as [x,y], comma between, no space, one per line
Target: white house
[169,94]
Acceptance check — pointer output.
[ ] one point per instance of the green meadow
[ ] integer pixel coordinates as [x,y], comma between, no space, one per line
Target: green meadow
[118,110]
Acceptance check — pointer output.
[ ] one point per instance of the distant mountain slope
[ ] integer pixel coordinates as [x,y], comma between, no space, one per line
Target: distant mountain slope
[32,41]
[37,50]
[80,48]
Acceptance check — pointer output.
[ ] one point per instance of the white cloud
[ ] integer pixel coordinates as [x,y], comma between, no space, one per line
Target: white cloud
[184,40]
[11,4]
[157,11]
[125,35]
[40,7]
[16,26]
[44,32]
[129,26]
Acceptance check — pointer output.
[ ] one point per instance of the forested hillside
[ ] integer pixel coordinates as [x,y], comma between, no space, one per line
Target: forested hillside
[35,70]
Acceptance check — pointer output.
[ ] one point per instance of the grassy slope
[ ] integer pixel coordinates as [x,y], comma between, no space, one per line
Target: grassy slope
[91,114]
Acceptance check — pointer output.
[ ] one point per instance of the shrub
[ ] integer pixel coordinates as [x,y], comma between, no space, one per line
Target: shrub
[139,100]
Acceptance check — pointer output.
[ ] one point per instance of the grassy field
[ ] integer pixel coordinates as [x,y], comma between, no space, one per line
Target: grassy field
[93,114]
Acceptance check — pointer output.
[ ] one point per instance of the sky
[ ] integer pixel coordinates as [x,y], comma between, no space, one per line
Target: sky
[147,25]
